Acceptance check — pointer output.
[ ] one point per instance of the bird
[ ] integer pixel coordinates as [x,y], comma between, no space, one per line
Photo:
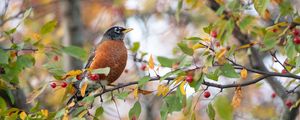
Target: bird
[109,52]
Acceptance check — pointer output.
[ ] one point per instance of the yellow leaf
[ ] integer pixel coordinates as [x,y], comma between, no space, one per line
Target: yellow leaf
[151,63]
[221,53]
[159,90]
[83,88]
[196,46]
[179,79]
[165,91]
[135,93]
[72,73]
[82,113]
[65,116]
[44,112]
[236,100]
[244,73]
[181,87]
[71,105]
[23,115]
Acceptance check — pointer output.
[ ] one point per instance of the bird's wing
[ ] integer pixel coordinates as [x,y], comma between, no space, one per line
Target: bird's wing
[90,60]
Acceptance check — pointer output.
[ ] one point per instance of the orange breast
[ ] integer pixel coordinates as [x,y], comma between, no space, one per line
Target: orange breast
[113,54]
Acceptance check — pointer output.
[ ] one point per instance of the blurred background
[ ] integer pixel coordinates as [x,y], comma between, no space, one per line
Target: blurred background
[158,26]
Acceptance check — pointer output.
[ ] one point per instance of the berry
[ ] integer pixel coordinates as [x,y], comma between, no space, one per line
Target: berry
[143,67]
[274,30]
[283,71]
[218,44]
[64,84]
[273,95]
[288,103]
[55,58]
[206,94]
[94,77]
[189,79]
[297,40]
[214,34]
[296,32]
[126,71]
[78,77]
[53,85]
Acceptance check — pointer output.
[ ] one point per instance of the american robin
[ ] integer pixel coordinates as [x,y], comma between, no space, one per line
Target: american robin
[110,52]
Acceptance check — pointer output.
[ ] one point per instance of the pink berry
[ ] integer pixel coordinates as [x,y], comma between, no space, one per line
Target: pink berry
[206,94]
[288,103]
[64,84]
[214,34]
[297,40]
[53,85]
[189,79]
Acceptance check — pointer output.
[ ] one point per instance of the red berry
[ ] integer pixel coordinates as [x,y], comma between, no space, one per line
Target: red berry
[214,34]
[53,85]
[288,103]
[296,32]
[78,77]
[218,44]
[283,71]
[143,67]
[206,94]
[274,30]
[273,95]
[94,77]
[189,79]
[297,40]
[64,84]
[55,58]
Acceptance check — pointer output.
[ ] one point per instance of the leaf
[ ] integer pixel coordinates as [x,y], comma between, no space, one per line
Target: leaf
[72,73]
[104,71]
[88,99]
[208,28]
[99,111]
[221,53]
[135,111]
[24,61]
[23,115]
[169,74]
[60,113]
[181,87]
[27,13]
[76,52]
[122,95]
[197,46]
[83,88]
[151,62]
[135,47]
[197,83]
[143,81]
[269,41]
[185,49]
[246,21]
[193,38]
[179,6]
[45,112]
[11,31]
[48,27]
[136,93]
[164,111]
[236,100]
[261,6]
[223,108]
[165,62]
[3,57]
[35,93]
[6,85]
[3,105]
[285,8]
[210,112]
[174,103]
[178,79]
[82,114]
[244,73]
[290,48]
[228,71]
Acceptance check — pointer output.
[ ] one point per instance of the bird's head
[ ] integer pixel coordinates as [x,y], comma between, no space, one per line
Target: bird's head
[116,33]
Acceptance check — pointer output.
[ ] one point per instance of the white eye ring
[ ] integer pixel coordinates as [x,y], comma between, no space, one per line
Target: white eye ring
[117,30]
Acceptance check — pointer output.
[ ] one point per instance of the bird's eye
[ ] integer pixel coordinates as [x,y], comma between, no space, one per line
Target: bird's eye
[117,30]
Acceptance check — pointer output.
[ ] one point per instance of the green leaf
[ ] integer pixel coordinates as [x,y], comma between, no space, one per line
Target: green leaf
[214,75]
[135,111]
[169,74]
[11,31]
[135,47]
[24,61]
[173,103]
[3,106]
[48,27]
[210,111]
[122,95]
[290,48]
[36,107]
[228,71]
[55,69]
[285,8]
[223,108]
[88,99]
[99,111]
[143,81]
[76,52]
[246,22]
[193,38]
[3,57]
[208,28]
[164,111]
[27,13]
[105,71]
[298,62]
[165,62]
[270,40]
[197,83]
[60,113]
[185,49]
[179,6]
[261,6]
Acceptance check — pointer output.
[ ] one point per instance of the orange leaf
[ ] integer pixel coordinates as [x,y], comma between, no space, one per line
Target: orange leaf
[45,112]
[247,45]
[178,79]
[151,63]
[221,53]
[23,115]
[72,73]
[144,92]
[159,90]
[135,93]
[236,100]
[83,88]
[165,91]
[181,87]
[244,73]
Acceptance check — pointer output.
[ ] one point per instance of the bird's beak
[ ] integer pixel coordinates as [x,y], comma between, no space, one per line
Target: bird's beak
[127,30]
